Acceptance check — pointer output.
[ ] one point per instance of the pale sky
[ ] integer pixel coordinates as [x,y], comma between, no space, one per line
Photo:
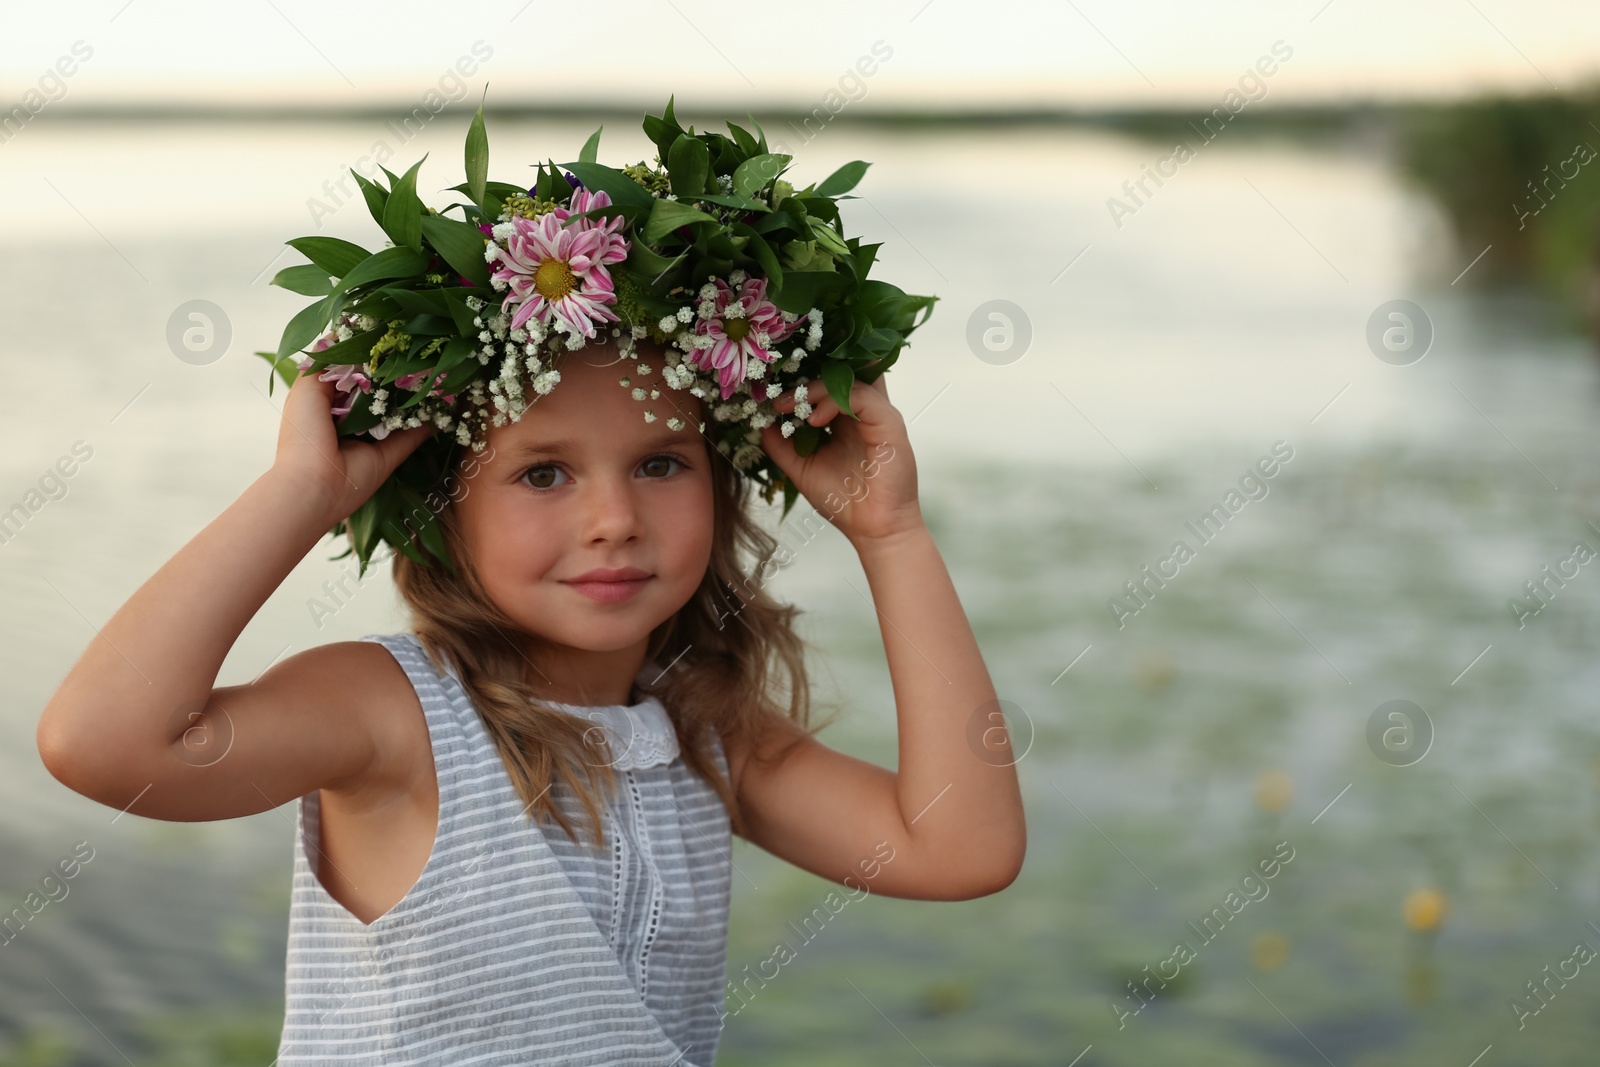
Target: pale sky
[1062,53]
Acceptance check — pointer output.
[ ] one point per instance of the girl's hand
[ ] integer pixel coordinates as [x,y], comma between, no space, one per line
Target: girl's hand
[342,473]
[862,478]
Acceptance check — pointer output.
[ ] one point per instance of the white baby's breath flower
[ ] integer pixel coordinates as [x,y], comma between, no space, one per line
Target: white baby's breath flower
[667,324]
[788,428]
[637,394]
[685,314]
[675,423]
[649,416]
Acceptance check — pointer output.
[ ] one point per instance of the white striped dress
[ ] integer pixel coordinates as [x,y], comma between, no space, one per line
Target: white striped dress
[516,946]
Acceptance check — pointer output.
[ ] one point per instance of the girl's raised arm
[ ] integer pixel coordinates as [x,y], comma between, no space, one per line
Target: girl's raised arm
[948,823]
[121,727]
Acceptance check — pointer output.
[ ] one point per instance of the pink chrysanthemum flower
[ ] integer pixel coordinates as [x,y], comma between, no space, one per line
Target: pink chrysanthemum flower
[737,338]
[348,378]
[555,266]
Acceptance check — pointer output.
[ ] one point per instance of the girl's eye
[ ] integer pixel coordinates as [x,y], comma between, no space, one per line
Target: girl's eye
[664,458]
[533,475]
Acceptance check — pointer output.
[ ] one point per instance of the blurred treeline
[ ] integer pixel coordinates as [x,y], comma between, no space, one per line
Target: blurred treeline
[1520,174]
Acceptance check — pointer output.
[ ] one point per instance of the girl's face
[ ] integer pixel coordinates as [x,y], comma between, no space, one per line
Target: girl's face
[582,483]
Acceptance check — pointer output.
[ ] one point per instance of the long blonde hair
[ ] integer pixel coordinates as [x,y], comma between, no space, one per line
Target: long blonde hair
[728,648]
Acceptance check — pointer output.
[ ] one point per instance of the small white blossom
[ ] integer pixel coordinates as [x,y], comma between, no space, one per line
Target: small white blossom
[675,423]
[667,324]
[685,314]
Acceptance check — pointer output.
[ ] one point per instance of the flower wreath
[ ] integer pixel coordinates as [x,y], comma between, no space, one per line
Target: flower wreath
[749,285]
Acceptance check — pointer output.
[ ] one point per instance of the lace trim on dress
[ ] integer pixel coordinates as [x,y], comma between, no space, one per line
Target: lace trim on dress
[640,735]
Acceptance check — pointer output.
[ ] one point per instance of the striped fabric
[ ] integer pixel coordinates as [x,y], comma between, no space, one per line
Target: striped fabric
[516,946]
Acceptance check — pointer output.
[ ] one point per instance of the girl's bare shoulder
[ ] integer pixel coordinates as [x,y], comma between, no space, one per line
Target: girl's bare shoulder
[373,685]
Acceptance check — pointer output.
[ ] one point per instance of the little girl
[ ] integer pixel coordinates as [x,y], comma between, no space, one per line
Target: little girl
[603,655]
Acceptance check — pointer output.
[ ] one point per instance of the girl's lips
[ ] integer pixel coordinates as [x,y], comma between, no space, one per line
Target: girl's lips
[609,592]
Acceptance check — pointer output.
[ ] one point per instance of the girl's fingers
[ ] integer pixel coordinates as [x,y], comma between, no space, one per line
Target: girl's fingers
[824,410]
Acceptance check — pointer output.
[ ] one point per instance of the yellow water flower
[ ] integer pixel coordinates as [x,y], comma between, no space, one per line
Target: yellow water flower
[1274,790]
[1269,950]
[1425,909]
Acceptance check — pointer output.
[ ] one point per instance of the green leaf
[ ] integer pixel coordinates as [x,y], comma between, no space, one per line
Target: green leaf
[761,135]
[308,279]
[356,348]
[456,303]
[433,538]
[402,213]
[389,263]
[748,203]
[286,369]
[591,148]
[303,328]
[742,138]
[844,179]
[802,289]
[622,189]
[828,237]
[477,157]
[415,301]
[768,259]
[395,535]
[330,253]
[649,262]
[839,377]
[688,164]
[667,215]
[806,438]
[375,195]
[663,131]
[461,244]
[757,171]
